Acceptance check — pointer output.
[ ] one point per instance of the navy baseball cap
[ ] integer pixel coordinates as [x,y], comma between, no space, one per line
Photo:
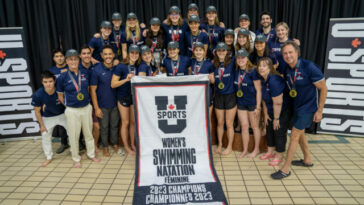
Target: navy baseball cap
[131,16]
[194,18]
[174,9]
[192,6]
[229,31]
[173,44]
[155,20]
[71,52]
[260,38]
[106,24]
[116,16]
[199,44]
[221,46]
[134,48]
[244,32]
[244,16]
[242,52]
[144,49]
[211,9]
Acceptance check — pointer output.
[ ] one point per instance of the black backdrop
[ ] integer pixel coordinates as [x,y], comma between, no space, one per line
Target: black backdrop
[49,24]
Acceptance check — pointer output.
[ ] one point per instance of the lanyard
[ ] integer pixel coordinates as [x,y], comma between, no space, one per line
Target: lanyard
[74,81]
[133,36]
[197,67]
[293,82]
[175,37]
[221,72]
[103,41]
[193,42]
[211,34]
[154,43]
[241,78]
[117,38]
[175,68]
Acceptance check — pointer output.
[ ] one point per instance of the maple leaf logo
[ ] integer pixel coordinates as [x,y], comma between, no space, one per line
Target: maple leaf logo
[171,107]
[2,54]
[355,43]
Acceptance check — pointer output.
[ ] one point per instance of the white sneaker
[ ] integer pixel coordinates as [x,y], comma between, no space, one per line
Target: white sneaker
[121,152]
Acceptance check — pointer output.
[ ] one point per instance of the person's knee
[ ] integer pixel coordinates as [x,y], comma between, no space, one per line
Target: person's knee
[96,125]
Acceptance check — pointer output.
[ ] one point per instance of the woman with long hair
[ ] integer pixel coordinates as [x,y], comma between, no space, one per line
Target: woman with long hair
[146,67]
[133,34]
[243,41]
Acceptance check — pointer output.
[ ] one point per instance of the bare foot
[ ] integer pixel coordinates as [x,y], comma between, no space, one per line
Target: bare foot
[227,151]
[116,148]
[241,155]
[106,152]
[95,159]
[218,150]
[253,154]
[97,150]
[46,162]
[133,148]
[129,151]
[77,165]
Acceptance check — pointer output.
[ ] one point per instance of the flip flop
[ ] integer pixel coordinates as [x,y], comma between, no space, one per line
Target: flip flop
[275,162]
[266,156]
[300,163]
[280,175]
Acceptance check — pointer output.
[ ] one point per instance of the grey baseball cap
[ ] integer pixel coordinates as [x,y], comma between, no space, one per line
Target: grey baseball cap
[192,6]
[173,44]
[116,16]
[260,38]
[229,31]
[174,9]
[194,18]
[211,9]
[144,49]
[106,24]
[155,20]
[71,52]
[221,46]
[242,52]
[134,48]
[244,32]
[199,44]
[244,16]
[131,16]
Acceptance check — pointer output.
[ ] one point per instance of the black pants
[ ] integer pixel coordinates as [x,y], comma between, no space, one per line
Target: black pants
[60,131]
[278,138]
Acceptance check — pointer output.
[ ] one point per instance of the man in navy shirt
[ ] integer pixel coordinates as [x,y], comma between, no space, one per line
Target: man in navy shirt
[266,23]
[72,89]
[60,67]
[304,80]
[104,100]
[49,112]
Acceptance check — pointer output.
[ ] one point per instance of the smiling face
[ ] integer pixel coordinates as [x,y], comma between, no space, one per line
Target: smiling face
[117,23]
[194,26]
[282,32]
[229,39]
[73,62]
[192,11]
[242,39]
[221,54]
[134,56]
[58,58]
[108,55]
[199,52]
[259,46]
[132,22]
[174,16]
[106,31]
[241,61]
[244,23]
[85,55]
[155,27]
[173,52]
[266,21]
[263,68]
[211,15]
[147,57]
[290,55]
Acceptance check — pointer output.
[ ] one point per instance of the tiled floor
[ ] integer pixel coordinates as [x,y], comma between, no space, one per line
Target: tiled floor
[336,178]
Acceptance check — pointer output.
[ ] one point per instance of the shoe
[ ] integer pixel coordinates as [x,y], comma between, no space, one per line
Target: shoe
[121,152]
[300,163]
[81,147]
[280,175]
[62,148]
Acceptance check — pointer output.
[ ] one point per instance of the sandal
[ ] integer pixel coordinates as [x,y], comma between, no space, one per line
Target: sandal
[280,175]
[266,156]
[300,163]
[275,162]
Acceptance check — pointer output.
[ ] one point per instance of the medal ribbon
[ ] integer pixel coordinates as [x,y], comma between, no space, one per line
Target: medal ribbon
[193,42]
[74,81]
[197,67]
[221,73]
[211,35]
[241,78]
[175,68]
[117,38]
[293,82]
[175,37]
[133,36]
[154,44]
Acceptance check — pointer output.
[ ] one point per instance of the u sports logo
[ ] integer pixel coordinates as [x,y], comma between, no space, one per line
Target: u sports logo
[167,111]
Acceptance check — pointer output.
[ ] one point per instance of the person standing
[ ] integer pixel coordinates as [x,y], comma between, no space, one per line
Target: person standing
[72,89]
[106,38]
[45,100]
[304,80]
[266,23]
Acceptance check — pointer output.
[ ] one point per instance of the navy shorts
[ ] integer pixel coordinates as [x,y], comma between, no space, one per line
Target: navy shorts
[225,102]
[249,108]
[125,101]
[302,120]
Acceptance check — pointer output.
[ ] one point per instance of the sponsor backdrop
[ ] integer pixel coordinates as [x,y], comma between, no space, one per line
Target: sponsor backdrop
[174,160]
[344,70]
[17,118]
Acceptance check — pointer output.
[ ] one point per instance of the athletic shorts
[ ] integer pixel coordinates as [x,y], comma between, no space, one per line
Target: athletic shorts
[302,120]
[249,108]
[225,102]
[125,101]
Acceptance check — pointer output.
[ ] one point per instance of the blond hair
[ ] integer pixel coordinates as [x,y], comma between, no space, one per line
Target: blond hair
[284,24]
[180,21]
[128,31]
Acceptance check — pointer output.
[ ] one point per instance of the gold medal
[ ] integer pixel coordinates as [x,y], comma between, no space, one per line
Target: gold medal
[221,85]
[293,93]
[239,93]
[80,96]
[119,52]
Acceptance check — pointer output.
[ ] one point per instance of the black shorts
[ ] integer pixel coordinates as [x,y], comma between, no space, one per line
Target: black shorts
[125,101]
[248,108]
[225,102]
